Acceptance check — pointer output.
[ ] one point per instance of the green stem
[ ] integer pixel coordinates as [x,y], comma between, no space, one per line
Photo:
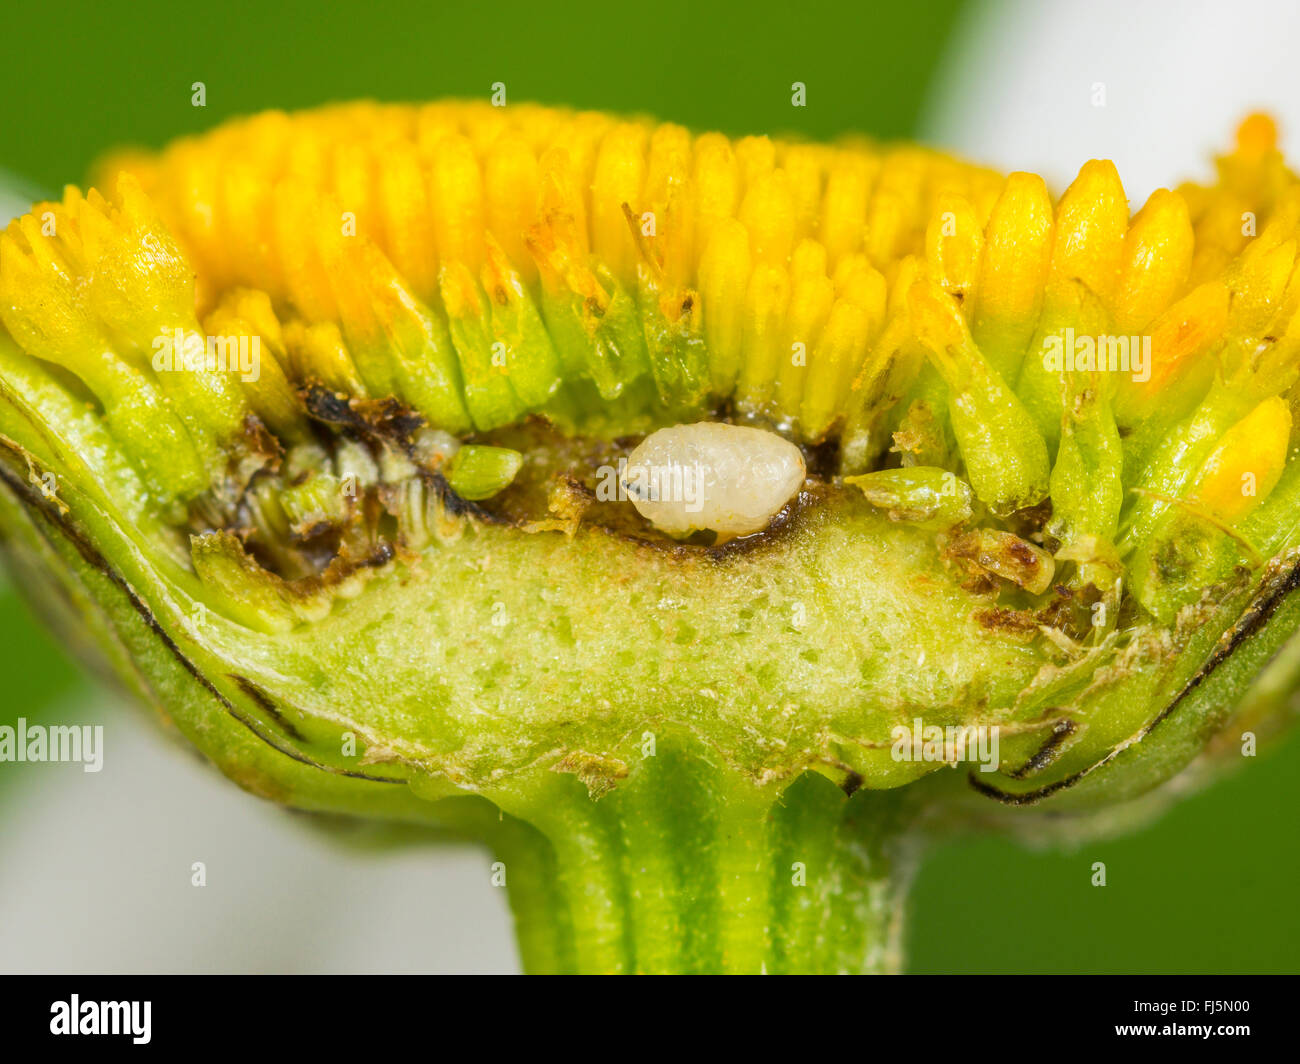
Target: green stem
[686,867]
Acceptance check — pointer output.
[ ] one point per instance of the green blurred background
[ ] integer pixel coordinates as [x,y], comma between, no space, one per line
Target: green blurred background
[1210,888]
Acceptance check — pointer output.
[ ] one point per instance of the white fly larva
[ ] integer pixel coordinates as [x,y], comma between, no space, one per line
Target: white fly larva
[729,479]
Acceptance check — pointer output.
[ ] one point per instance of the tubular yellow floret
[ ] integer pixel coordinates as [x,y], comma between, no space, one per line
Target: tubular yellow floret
[246,323]
[839,352]
[319,351]
[1156,260]
[456,187]
[1247,462]
[811,296]
[511,179]
[1180,338]
[1256,282]
[1256,136]
[1013,271]
[766,302]
[844,205]
[768,214]
[954,246]
[1087,251]
[724,277]
[939,326]
[1005,455]
[1091,221]
[620,169]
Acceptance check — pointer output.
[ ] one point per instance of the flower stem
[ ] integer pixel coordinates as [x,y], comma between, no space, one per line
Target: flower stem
[686,867]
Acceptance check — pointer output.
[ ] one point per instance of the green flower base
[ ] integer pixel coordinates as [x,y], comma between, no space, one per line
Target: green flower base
[686,868]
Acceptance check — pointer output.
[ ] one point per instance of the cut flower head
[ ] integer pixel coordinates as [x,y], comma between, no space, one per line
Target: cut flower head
[700,521]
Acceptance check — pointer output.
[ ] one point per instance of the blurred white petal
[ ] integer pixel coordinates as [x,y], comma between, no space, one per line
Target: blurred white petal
[96,872]
[1018,87]
[16,196]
